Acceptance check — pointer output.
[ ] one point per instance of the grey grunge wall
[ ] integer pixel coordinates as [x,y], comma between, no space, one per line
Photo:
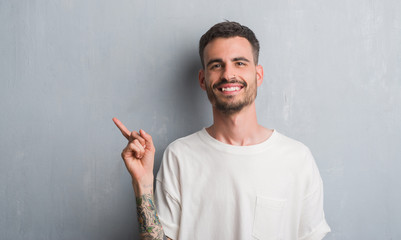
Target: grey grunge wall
[67,67]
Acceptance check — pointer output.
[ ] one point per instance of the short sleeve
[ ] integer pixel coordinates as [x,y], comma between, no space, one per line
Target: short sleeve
[313,225]
[167,195]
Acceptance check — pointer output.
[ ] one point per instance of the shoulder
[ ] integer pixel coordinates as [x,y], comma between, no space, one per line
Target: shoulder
[290,144]
[180,150]
[185,142]
[185,145]
[300,157]
[294,154]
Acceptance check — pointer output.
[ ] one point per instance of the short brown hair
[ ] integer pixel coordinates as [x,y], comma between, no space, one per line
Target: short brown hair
[229,29]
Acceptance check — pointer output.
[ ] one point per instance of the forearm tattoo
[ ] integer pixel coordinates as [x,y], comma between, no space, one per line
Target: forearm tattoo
[149,224]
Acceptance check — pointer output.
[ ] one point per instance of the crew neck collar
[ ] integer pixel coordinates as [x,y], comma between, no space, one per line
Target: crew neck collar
[211,141]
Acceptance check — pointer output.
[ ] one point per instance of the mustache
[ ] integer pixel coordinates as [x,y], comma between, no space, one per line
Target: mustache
[225,81]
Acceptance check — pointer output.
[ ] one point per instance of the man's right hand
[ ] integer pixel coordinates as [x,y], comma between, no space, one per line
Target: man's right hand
[138,155]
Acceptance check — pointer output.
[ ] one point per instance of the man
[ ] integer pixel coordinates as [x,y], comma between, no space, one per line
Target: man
[235,179]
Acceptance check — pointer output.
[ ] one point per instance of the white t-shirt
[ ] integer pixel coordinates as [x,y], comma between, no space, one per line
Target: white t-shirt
[206,189]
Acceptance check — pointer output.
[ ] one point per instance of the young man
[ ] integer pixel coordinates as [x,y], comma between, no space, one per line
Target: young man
[235,179]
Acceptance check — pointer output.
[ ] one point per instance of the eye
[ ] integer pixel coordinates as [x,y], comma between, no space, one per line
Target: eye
[240,64]
[216,66]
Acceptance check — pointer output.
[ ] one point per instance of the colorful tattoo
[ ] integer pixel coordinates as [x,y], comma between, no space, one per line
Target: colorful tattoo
[149,223]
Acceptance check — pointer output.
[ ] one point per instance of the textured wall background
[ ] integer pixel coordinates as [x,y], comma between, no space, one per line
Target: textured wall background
[332,80]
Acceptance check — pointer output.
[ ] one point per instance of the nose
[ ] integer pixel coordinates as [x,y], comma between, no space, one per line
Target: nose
[229,72]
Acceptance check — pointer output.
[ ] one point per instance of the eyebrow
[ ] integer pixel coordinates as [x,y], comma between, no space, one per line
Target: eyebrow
[240,59]
[219,60]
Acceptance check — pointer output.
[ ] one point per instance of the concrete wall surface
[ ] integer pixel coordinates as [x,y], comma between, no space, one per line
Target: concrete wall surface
[67,67]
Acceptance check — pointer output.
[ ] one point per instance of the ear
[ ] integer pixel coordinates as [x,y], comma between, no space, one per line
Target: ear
[259,75]
[201,78]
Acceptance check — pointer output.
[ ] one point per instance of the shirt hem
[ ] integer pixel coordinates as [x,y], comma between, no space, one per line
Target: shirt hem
[318,233]
[169,230]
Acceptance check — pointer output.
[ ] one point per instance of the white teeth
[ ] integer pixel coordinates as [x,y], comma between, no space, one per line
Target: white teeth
[230,89]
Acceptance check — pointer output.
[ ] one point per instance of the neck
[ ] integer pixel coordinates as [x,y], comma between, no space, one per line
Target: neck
[240,129]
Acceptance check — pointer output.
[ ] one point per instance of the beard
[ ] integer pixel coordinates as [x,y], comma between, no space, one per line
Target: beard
[228,104]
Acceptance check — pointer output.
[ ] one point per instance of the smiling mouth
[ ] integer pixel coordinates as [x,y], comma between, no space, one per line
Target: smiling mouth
[230,89]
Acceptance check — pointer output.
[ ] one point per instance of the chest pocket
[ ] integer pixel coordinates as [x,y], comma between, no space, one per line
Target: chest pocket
[268,219]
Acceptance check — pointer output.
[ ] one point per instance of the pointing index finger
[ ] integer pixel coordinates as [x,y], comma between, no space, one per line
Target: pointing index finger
[122,128]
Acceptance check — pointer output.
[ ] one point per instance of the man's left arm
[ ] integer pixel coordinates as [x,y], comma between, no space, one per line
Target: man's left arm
[313,225]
